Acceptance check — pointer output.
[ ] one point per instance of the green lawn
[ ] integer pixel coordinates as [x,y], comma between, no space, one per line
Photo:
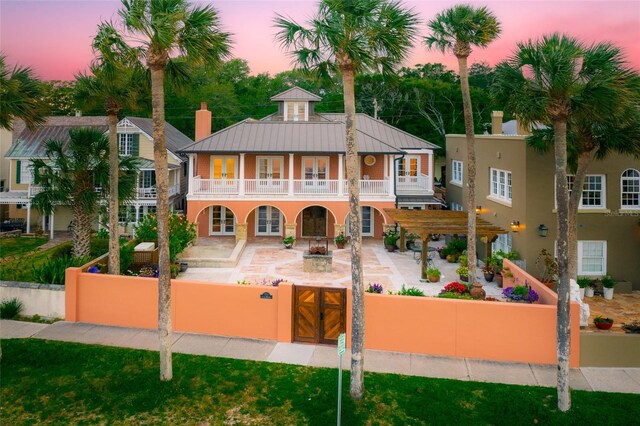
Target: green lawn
[14,246]
[45,382]
[22,269]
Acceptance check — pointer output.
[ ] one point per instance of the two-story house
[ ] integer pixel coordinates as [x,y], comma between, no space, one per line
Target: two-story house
[285,175]
[515,189]
[134,138]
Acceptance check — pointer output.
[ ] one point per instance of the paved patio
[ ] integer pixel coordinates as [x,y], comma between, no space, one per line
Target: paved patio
[266,259]
[623,309]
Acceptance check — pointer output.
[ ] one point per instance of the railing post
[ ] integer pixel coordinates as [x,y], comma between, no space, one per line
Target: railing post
[340,175]
[290,174]
[191,172]
[392,177]
[241,180]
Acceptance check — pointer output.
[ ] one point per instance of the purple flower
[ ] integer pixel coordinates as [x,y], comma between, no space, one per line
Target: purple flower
[520,292]
[94,270]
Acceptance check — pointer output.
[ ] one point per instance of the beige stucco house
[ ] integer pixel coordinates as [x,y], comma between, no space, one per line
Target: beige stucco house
[515,190]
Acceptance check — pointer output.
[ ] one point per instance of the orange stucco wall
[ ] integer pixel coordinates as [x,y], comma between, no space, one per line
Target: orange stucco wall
[460,328]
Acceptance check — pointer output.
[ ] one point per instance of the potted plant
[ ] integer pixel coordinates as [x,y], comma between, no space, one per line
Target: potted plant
[410,238]
[583,283]
[548,268]
[462,260]
[607,286]
[341,240]
[521,294]
[288,241]
[390,240]
[463,272]
[434,237]
[442,252]
[488,269]
[374,288]
[433,274]
[603,323]
[589,289]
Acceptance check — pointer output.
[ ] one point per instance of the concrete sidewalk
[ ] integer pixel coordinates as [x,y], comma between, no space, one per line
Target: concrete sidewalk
[625,380]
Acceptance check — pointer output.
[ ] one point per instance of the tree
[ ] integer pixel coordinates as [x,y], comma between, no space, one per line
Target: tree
[556,80]
[20,97]
[162,28]
[458,29]
[78,176]
[349,37]
[114,82]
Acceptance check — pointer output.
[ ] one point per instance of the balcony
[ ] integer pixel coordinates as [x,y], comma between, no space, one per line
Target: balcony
[151,193]
[412,185]
[282,187]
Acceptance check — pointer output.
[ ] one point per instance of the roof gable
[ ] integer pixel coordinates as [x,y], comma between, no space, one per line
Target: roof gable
[296,94]
[175,139]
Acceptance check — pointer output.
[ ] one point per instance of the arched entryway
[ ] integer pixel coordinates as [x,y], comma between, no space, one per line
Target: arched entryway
[216,220]
[266,221]
[372,222]
[315,221]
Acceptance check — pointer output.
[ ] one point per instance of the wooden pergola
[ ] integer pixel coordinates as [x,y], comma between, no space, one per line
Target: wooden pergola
[425,222]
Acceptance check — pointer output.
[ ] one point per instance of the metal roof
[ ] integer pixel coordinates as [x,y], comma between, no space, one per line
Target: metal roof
[175,139]
[510,128]
[250,136]
[296,94]
[146,164]
[30,143]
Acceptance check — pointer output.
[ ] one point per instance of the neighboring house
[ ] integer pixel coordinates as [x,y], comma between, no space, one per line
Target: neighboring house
[515,185]
[134,137]
[285,174]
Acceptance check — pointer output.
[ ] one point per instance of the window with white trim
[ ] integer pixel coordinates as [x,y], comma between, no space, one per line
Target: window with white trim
[500,184]
[593,195]
[456,172]
[503,242]
[630,189]
[366,223]
[295,111]
[126,214]
[456,207]
[125,141]
[592,258]
[26,171]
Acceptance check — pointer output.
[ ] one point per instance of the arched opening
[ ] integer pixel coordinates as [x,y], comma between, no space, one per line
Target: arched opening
[216,220]
[266,221]
[315,221]
[372,224]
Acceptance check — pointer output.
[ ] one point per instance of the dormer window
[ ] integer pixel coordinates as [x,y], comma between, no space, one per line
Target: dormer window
[296,111]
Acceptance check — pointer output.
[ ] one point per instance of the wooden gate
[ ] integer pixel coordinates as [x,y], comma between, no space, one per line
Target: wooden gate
[319,314]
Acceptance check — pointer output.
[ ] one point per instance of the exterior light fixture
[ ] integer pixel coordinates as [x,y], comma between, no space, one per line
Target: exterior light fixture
[478,209]
[515,226]
[543,230]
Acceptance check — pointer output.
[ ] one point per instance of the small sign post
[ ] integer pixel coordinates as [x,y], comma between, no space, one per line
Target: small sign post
[341,348]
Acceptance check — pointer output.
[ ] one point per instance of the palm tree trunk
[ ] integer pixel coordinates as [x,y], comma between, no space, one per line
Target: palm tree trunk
[563,324]
[357,284]
[81,232]
[114,170]
[584,160]
[471,168]
[162,212]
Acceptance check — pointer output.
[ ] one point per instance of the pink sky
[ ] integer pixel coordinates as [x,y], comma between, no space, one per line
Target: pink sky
[53,37]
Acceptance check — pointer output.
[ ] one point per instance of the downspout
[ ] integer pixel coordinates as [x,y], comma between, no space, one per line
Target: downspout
[395,186]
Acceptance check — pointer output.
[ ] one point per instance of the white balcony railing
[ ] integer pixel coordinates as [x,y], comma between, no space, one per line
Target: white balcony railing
[414,184]
[266,186]
[33,190]
[315,187]
[215,186]
[370,187]
[147,193]
[173,190]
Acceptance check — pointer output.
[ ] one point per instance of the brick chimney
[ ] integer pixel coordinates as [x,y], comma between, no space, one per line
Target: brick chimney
[496,122]
[203,122]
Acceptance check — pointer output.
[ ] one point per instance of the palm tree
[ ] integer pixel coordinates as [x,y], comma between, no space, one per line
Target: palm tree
[161,28]
[78,176]
[458,29]
[116,82]
[555,80]
[21,96]
[350,37]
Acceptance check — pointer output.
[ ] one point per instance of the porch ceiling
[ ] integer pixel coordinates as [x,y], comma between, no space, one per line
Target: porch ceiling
[424,222]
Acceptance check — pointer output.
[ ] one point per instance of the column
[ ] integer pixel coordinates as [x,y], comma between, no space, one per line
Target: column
[29,217]
[340,175]
[290,230]
[290,175]
[241,181]
[432,171]
[241,231]
[191,172]
[392,177]
[137,206]
[51,226]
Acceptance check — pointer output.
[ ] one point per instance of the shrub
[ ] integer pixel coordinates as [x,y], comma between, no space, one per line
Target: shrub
[452,295]
[391,238]
[10,308]
[457,246]
[102,234]
[181,232]
[99,246]
[583,282]
[53,269]
[374,288]
[462,260]
[463,271]
[411,291]
[126,256]
[607,281]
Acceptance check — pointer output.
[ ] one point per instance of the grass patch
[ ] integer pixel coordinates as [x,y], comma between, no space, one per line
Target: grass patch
[46,382]
[19,245]
[21,269]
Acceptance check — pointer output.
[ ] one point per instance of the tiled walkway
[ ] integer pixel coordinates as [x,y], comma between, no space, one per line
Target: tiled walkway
[266,259]
[623,309]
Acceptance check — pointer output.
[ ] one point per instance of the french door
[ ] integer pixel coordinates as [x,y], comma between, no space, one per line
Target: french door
[224,167]
[270,171]
[409,167]
[268,221]
[222,222]
[315,171]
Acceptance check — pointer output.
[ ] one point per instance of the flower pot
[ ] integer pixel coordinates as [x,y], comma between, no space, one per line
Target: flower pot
[604,325]
[390,247]
[340,245]
[451,258]
[608,293]
[442,254]
[464,278]
[488,276]
[288,246]
[588,291]
[433,278]
[582,289]
[477,292]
